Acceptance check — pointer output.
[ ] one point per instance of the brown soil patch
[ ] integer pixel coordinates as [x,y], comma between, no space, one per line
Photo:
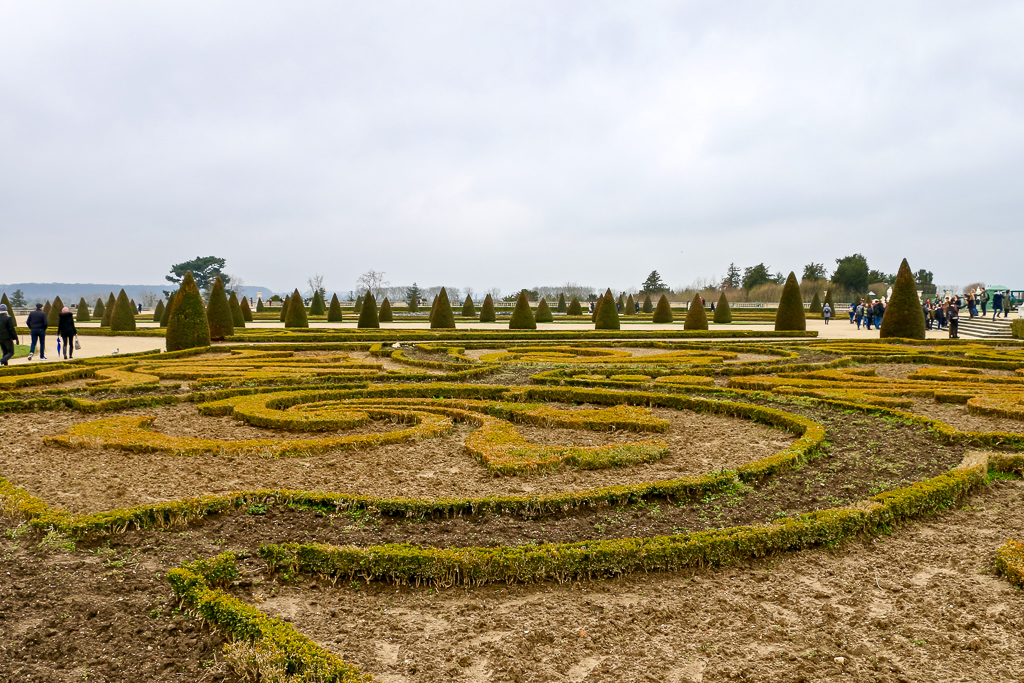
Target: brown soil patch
[956,415]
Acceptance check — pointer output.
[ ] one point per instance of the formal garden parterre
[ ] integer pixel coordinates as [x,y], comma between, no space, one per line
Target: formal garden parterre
[467,506]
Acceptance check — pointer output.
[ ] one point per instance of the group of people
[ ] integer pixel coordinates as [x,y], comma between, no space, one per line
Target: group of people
[867,313]
[1002,302]
[37,323]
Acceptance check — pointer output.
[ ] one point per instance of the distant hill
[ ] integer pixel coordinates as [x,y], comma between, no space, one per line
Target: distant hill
[70,293]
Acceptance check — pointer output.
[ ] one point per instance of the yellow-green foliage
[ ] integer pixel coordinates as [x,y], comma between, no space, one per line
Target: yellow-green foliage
[904,317]
[54,312]
[648,306]
[790,315]
[696,317]
[259,306]
[246,310]
[723,312]
[630,306]
[187,326]
[561,307]
[334,314]
[166,315]
[522,317]
[468,309]
[543,314]
[368,312]
[98,310]
[574,307]
[123,317]
[386,315]
[816,304]
[296,313]
[284,307]
[663,313]
[317,306]
[608,314]
[158,311]
[108,311]
[82,314]
[218,313]
[1017,328]
[10,309]
[441,316]
[237,317]
[1010,562]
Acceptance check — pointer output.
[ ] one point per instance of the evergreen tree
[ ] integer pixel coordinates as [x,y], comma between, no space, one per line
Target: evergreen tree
[630,306]
[543,314]
[167,309]
[831,304]
[135,307]
[653,284]
[368,312]
[433,307]
[696,316]
[358,307]
[108,310]
[522,316]
[317,306]
[259,305]
[412,298]
[648,306]
[442,317]
[123,317]
[218,313]
[608,315]
[46,309]
[468,309]
[296,315]
[904,317]
[284,307]
[561,308]
[663,311]
[187,326]
[574,307]
[158,312]
[620,303]
[98,310]
[815,304]
[82,315]
[10,309]
[334,314]
[487,310]
[790,315]
[597,309]
[723,312]
[385,315]
[237,319]
[246,311]
[55,310]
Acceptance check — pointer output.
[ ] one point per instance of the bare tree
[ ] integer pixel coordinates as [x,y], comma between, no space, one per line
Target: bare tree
[468,291]
[374,281]
[316,284]
[495,293]
[233,283]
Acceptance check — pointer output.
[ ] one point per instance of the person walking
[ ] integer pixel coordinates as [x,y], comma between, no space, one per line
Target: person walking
[826,312]
[983,299]
[997,304]
[926,307]
[67,331]
[1007,303]
[879,311]
[8,335]
[37,324]
[953,317]
[853,310]
[859,314]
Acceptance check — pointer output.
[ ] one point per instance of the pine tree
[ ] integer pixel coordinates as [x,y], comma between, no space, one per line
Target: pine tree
[723,312]
[648,306]
[284,307]
[487,310]
[368,312]
[317,306]
[296,315]
[385,315]
[259,305]
[790,315]
[442,317]
[237,319]
[815,304]
[696,316]
[574,307]
[55,310]
[158,312]
[358,307]
[218,313]
[108,310]
[630,306]
[167,309]
[522,316]
[246,311]
[663,311]
[10,309]
[82,314]
[608,315]
[123,317]
[98,310]
[468,309]
[187,326]
[334,314]
[904,317]
[561,308]
[543,314]
[412,298]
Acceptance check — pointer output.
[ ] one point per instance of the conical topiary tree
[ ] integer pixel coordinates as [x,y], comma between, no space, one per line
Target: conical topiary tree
[259,306]
[607,315]
[236,310]
[317,306]
[167,310]
[790,315]
[158,311]
[648,306]
[82,314]
[815,304]
[108,310]
[296,315]
[904,317]
[123,317]
[55,309]
[358,307]
[98,310]
[663,311]
[187,327]
[522,316]
[543,314]
[574,307]
[832,305]
[487,310]
[723,312]
[630,306]
[218,313]
[433,307]
[468,309]
[561,307]
[135,306]
[246,311]
[620,303]
[385,315]
[368,312]
[696,316]
[442,317]
[334,314]
[284,307]
[46,309]
[10,309]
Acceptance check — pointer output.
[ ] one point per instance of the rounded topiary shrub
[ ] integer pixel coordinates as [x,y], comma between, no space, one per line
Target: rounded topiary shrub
[385,315]
[522,316]
[663,311]
[158,311]
[574,307]
[696,316]
[723,312]
[904,317]
[790,315]
[487,310]
[368,312]
[468,309]
[334,314]
[187,327]
[123,317]
[648,306]
[543,314]
[236,310]
[442,317]
[218,313]
[82,314]
[608,314]
[296,315]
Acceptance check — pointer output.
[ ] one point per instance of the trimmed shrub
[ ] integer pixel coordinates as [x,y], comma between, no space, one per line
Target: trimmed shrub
[487,310]
[46,309]
[832,305]
[442,317]
[187,327]
[135,306]
[630,306]
[561,308]
[433,306]
[816,305]
[82,315]
[284,307]
[468,309]
[385,315]
[53,315]
[543,314]
[648,306]
[218,313]
[367,312]
[334,314]
[620,303]
[574,307]
[663,312]
[358,307]
[696,317]
[123,317]
[246,311]
[296,315]
[317,306]
[1016,328]
[904,317]
[522,316]
[723,312]
[99,310]
[236,311]
[158,312]
[167,309]
[790,315]
[607,315]
[597,309]
[259,306]
[10,309]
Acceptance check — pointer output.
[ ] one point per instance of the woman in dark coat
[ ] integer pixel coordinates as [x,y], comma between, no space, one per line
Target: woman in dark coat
[66,330]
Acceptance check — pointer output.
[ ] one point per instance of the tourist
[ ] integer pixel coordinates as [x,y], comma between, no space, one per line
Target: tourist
[37,324]
[997,304]
[826,312]
[66,330]
[972,306]
[859,313]
[984,302]
[868,315]
[8,335]
[940,314]
[878,311]
[926,308]
[953,316]
[853,310]
[1007,303]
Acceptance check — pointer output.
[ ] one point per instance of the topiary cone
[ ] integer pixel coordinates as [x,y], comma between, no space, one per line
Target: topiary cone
[543,314]
[317,306]
[368,312]
[630,306]
[522,316]
[904,317]
[468,309]
[487,310]
[259,306]
[82,314]
[663,311]
[296,315]
[385,315]
[816,304]
[98,310]
[123,317]
[53,315]
[46,309]
[433,306]
[10,309]
[218,313]
[442,317]
[167,310]
[187,327]
[607,315]
[831,304]
[723,312]
[334,314]
[597,308]
[696,316]
[790,315]
[648,307]
[236,311]
[158,311]
[246,311]
[561,308]
[574,307]
[358,307]
[284,307]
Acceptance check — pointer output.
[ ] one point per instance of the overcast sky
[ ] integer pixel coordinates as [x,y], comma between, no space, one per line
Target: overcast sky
[509,144]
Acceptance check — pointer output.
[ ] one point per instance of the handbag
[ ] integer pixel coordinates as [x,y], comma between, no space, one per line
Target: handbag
[78,345]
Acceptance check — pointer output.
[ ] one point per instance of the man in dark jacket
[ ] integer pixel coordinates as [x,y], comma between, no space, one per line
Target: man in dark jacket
[37,324]
[8,335]
[953,317]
